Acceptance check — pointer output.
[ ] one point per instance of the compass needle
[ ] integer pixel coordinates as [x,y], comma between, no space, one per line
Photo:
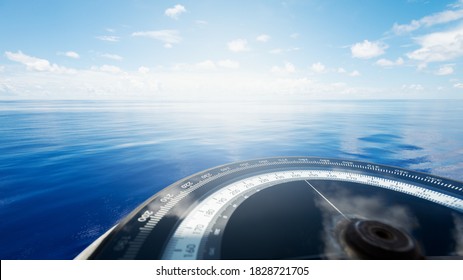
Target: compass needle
[327,200]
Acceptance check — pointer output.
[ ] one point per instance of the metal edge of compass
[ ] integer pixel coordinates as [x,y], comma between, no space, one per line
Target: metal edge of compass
[428,180]
[93,247]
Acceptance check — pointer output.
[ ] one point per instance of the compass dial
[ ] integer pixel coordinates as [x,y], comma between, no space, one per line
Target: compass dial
[294,208]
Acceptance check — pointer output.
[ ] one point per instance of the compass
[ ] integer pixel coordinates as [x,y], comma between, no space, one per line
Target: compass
[294,208]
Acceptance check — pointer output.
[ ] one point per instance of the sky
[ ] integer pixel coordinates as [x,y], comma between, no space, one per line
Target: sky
[222,50]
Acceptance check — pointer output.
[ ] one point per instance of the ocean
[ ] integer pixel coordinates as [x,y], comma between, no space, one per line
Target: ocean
[70,170]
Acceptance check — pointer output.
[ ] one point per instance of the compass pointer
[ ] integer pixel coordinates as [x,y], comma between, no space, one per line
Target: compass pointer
[327,200]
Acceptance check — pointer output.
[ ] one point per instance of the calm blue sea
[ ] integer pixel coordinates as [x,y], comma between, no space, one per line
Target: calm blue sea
[69,170]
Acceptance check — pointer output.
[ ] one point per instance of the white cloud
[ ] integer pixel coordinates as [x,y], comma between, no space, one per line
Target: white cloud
[294,35]
[438,18]
[238,45]
[71,54]
[321,68]
[417,87]
[276,51]
[422,66]
[168,37]
[288,68]
[230,64]
[108,69]
[292,85]
[389,63]
[110,82]
[405,28]
[175,11]
[439,46]
[263,38]
[458,4]
[112,56]
[444,70]
[354,73]
[108,38]
[181,67]
[143,70]
[105,82]
[458,85]
[6,87]
[280,51]
[201,22]
[36,64]
[443,17]
[318,67]
[206,65]
[367,49]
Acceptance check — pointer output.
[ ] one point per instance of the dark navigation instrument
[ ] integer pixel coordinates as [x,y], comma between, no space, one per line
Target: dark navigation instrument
[294,208]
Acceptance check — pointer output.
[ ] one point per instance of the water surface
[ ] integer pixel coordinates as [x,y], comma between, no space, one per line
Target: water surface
[69,170]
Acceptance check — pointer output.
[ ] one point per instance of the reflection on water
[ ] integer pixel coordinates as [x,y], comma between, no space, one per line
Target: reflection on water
[70,170]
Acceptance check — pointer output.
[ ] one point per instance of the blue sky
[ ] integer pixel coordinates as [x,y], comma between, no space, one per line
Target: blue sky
[159,49]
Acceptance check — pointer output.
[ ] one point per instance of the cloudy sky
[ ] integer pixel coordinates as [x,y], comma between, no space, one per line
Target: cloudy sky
[215,49]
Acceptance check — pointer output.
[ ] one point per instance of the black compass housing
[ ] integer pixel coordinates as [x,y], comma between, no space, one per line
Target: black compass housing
[290,208]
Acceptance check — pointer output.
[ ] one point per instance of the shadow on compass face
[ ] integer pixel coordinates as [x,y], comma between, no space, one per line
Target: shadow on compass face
[458,234]
[361,206]
[438,230]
